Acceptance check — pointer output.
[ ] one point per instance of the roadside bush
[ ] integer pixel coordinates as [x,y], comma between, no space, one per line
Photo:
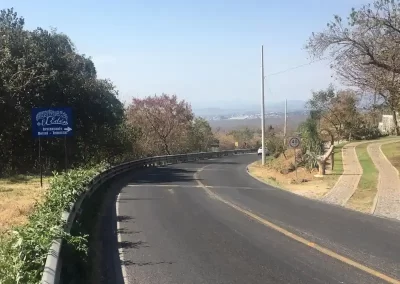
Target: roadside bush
[24,250]
[275,145]
[367,133]
[311,144]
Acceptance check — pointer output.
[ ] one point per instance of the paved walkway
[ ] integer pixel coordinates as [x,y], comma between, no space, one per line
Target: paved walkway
[388,196]
[348,181]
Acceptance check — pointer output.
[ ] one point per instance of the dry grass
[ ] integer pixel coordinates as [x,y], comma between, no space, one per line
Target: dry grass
[313,188]
[303,183]
[17,198]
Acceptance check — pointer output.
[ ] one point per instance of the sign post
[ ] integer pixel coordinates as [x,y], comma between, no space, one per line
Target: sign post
[294,143]
[51,122]
[66,153]
[40,163]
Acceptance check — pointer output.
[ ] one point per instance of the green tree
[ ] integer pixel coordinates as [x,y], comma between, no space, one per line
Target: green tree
[200,135]
[42,68]
[242,135]
[336,110]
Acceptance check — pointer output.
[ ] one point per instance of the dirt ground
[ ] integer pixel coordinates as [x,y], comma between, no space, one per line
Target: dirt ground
[18,196]
[301,182]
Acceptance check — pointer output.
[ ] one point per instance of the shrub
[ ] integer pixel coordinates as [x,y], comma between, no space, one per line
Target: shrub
[24,250]
[367,133]
[275,145]
[311,143]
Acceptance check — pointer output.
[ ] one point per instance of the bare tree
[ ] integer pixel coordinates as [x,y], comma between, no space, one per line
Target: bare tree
[371,36]
[365,52]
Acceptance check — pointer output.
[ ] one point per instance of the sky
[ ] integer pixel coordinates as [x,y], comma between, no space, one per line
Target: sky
[207,52]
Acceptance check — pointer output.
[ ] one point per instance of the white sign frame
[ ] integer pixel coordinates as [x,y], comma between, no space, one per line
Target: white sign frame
[294,142]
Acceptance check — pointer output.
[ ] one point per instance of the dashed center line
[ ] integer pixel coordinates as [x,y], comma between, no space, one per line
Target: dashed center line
[199,186]
[295,237]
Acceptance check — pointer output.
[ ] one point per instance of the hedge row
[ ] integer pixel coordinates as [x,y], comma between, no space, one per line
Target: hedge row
[23,250]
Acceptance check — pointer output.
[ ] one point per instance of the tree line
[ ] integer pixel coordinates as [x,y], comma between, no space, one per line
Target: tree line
[42,68]
[365,55]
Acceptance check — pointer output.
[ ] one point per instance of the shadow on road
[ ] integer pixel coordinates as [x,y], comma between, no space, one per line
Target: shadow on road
[172,174]
[104,244]
[216,162]
[123,218]
[132,245]
[163,175]
[144,198]
[123,231]
[128,263]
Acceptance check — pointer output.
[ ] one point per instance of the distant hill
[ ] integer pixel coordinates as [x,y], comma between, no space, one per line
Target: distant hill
[277,121]
[292,105]
[276,107]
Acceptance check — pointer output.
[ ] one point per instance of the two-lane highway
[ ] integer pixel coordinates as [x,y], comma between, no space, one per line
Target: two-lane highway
[210,222]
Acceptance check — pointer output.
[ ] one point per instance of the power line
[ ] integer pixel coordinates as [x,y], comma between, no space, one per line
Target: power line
[296,67]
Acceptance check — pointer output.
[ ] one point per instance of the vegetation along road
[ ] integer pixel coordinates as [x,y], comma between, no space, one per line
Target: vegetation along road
[337,219]
[210,222]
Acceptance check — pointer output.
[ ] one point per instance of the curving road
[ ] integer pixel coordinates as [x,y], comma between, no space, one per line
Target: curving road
[210,222]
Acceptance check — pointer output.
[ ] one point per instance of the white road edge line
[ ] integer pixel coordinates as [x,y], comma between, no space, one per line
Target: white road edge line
[120,250]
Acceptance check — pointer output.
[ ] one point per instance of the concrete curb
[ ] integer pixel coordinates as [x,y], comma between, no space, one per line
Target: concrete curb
[361,171]
[376,198]
[380,149]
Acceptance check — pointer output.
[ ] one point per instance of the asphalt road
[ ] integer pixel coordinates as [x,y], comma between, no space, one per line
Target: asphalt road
[188,224]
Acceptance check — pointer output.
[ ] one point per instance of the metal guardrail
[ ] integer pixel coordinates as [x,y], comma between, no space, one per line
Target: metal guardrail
[53,265]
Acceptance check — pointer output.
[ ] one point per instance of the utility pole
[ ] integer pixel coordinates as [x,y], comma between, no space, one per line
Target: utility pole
[262,107]
[285,126]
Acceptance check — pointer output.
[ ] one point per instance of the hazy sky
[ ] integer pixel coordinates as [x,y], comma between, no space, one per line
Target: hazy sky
[205,51]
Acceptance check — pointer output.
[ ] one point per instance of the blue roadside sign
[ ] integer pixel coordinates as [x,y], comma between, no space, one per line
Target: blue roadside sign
[48,122]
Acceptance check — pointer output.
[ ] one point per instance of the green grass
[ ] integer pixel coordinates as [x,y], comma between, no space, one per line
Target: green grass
[338,160]
[392,152]
[363,198]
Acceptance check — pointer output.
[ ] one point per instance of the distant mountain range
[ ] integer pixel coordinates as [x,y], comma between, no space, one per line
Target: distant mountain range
[275,109]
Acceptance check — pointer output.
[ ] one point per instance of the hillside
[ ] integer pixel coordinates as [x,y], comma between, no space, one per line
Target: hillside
[276,120]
